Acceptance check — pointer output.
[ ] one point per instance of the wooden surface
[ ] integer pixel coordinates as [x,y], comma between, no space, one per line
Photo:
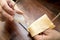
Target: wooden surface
[32,10]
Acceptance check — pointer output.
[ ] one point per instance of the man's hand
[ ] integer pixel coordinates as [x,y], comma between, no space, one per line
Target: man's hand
[48,35]
[7,9]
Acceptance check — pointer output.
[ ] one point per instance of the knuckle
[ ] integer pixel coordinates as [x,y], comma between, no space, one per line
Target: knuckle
[3,3]
[3,6]
[11,11]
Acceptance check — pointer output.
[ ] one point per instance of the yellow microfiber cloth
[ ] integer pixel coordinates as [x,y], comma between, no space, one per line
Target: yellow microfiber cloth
[40,25]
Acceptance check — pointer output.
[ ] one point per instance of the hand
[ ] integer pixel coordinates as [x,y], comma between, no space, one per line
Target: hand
[7,9]
[48,35]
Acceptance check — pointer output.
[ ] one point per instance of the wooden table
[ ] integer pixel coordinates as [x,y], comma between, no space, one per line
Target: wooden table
[32,10]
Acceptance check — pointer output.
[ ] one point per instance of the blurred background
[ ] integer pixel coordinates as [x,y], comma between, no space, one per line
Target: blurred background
[32,10]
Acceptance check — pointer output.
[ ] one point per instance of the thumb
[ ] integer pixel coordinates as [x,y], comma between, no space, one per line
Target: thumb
[48,31]
[41,37]
[38,37]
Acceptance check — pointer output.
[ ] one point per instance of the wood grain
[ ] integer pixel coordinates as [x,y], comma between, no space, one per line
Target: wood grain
[32,10]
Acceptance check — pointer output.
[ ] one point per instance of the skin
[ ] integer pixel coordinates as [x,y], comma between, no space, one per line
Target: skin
[49,34]
[7,10]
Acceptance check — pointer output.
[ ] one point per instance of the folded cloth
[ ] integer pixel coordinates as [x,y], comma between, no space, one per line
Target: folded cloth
[40,25]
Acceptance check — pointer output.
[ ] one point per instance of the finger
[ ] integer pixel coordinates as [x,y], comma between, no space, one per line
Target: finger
[14,6]
[46,37]
[6,7]
[41,37]
[11,3]
[48,31]
[17,10]
[7,16]
[0,9]
[0,13]
[38,37]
